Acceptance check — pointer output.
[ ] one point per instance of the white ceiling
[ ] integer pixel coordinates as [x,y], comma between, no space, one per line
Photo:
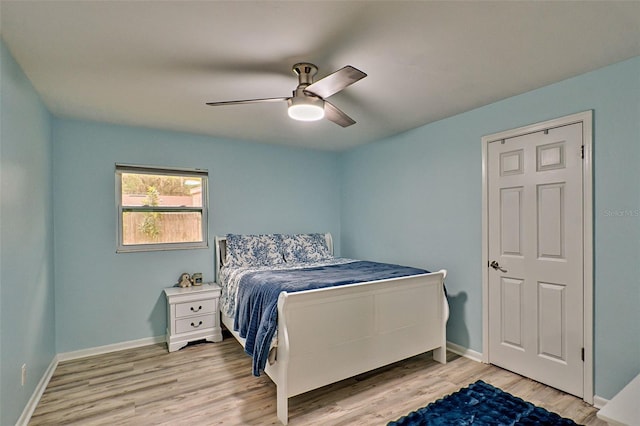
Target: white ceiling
[156,63]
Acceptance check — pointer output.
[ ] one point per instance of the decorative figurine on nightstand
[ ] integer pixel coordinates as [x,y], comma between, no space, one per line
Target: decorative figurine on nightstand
[196,278]
[185,280]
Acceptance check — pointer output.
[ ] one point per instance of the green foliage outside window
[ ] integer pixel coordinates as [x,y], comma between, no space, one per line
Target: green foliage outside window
[151,224]
[133,184]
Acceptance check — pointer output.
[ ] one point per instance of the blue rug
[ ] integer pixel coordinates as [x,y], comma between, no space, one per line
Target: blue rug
[480,404]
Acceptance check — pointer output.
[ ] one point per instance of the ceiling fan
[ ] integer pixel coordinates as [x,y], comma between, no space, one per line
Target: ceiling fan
[308,102]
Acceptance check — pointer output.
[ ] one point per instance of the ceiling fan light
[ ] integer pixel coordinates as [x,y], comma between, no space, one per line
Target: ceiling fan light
[306,109]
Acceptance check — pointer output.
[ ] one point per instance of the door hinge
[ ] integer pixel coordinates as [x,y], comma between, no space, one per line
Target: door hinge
[582,354]
[582,151]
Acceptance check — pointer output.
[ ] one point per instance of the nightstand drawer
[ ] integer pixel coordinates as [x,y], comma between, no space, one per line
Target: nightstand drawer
[194,323]
[195,308]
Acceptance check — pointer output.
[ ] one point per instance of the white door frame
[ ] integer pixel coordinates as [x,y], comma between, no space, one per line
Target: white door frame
[586,118]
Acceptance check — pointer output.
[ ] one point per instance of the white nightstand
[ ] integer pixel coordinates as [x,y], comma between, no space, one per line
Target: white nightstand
[623,408]
[192,314]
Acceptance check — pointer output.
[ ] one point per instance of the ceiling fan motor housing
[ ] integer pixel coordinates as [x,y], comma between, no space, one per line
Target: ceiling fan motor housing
[305,106]
[305,72]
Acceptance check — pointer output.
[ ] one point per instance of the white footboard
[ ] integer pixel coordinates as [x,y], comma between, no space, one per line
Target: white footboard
[330,334]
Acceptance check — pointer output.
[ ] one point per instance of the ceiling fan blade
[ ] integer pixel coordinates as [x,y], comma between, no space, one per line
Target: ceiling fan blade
[247,101]
[333,83]
[332,113]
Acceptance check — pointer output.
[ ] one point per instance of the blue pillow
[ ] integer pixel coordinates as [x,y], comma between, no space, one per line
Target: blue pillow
[253,250]
[305,248]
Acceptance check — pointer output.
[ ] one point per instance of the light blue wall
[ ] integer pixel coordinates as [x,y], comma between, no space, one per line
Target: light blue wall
[26,239]
[103,297]
[416,198]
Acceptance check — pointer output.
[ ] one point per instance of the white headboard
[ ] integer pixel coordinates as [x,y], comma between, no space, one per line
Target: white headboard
[221,250]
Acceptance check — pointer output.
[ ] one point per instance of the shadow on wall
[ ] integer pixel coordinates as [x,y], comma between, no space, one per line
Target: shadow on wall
[158,316]
[457,331]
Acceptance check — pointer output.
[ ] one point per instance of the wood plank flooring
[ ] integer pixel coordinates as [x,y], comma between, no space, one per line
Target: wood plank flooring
[211,384]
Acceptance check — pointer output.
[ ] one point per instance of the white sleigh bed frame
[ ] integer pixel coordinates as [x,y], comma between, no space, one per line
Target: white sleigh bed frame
[330,334]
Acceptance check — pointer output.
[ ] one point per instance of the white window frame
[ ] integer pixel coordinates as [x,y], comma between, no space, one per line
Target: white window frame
[169,171]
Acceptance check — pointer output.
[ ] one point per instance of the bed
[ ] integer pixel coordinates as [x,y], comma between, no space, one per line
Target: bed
[327,334]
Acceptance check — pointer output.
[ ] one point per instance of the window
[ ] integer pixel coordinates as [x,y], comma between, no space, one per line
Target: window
[161,208]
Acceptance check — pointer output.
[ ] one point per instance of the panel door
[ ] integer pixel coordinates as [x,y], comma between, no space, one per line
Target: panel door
[535,237]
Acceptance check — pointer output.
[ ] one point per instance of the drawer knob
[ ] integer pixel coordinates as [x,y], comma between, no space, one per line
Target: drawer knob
[196,326]
[196,310]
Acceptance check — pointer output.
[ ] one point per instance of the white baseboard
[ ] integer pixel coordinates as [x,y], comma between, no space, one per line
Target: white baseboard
[99,350]
[465,352]
[24,418]
[599,402]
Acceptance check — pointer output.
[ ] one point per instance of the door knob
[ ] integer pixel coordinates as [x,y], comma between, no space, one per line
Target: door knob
[495,265]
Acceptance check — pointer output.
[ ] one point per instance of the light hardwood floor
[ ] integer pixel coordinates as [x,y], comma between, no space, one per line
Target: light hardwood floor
[211,383]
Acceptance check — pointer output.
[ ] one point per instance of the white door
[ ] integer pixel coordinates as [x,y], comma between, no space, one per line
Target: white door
[535,238]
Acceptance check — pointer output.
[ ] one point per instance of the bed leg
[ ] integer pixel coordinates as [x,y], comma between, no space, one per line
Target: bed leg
[282,405]
[440,354]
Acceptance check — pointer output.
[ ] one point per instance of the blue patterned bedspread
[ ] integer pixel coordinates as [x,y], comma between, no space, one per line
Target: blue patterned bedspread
[257,308]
